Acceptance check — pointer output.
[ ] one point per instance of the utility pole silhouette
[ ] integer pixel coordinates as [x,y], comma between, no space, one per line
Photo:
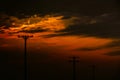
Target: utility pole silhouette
[25,37]
[74,61]
[118,72]
[93,72]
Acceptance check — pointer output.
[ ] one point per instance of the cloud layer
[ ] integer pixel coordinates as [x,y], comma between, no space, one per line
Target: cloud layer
[35,23]
[103,26]
[114,53]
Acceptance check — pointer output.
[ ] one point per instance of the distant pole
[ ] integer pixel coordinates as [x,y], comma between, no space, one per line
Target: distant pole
[25,37]
[93,72]
[74,60]
[118,72]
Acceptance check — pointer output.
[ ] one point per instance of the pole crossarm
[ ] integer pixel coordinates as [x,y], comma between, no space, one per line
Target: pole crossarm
[74,59]
[25,36]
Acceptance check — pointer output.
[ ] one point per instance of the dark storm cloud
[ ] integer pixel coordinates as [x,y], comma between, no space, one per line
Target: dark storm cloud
[84,7]
[113,53]
[7,21]
[88,49]
[103,26]
[106,27]
[37,30]
[113,44]
[1,31]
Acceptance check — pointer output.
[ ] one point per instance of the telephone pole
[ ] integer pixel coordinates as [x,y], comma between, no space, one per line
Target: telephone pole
[74,60]
[25,37]
[93,72]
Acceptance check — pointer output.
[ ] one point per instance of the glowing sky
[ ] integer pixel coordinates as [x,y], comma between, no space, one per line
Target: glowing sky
[73,35]
[88,29]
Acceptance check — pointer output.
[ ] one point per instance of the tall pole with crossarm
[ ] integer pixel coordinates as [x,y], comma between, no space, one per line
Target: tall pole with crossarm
[74,60]
[93,72]
[25,37]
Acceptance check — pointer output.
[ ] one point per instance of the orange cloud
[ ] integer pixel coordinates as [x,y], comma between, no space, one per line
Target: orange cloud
[37,23]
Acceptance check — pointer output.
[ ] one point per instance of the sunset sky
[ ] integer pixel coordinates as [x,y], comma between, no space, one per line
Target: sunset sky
[88,29]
